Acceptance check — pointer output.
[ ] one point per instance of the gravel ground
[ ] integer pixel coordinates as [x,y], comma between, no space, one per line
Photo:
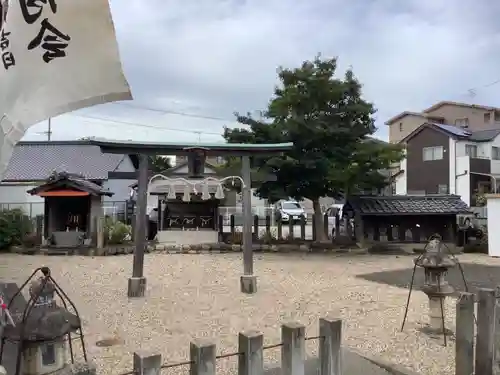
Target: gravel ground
[197,296]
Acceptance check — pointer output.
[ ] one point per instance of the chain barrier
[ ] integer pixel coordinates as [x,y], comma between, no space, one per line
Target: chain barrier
[222,356]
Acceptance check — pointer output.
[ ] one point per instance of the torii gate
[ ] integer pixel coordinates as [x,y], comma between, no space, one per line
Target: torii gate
[137,283]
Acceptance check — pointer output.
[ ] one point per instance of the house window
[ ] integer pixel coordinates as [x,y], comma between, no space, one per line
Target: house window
[497,116]
[495,153]
[48,354]
[436,120]
[471,151]
[442,189]
[487,118]
[433,153]
[462,122]
[400,126]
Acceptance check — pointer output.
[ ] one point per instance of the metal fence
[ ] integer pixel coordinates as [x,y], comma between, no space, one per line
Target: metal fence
[250,354]
[30,209]
[260,211]
[115,209]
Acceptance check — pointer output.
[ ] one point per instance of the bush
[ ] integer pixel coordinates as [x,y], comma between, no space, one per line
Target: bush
[31,240]
[479,246]
[116,232]
[14,226]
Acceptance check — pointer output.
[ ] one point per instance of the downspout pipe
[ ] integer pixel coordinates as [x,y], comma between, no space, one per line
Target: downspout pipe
[458,175]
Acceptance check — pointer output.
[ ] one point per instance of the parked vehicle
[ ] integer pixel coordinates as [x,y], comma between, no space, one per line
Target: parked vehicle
[290,210]
[152,223]
[468,229]
[334,211]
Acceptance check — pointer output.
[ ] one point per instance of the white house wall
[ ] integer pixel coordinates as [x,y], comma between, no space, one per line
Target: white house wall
[184,170]
[401,184]
[120,188]
[452,154]
[463,178]
[483,149]
[14,195]
[495,164]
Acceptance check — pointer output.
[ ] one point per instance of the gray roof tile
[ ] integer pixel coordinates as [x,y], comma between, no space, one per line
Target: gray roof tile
[475,136]
[455,130]
[408,205]
[484,135]
[65,180]
[35,161]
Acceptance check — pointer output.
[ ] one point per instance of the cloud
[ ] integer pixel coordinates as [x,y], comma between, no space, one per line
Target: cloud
[214,57]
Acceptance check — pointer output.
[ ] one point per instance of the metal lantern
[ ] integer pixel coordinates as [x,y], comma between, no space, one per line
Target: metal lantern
[436,262]
[43,327]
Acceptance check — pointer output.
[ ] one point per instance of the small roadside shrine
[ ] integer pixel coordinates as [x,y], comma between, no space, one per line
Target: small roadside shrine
[197,152]
[405,218]
[73,207]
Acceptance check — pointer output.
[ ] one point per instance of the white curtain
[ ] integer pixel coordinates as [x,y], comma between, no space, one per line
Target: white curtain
[55,58]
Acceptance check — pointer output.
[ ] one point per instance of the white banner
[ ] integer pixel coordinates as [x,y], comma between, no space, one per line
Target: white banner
[57,56]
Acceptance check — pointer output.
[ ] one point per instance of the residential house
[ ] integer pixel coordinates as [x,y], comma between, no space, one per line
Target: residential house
[33,162]
[446,159]
[467,116]
[215,161]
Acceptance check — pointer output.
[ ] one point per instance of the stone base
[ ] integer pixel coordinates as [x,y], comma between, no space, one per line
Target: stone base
[136,287]
[248,284]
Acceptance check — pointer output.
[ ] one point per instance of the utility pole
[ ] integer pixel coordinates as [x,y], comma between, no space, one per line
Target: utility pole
[49,129]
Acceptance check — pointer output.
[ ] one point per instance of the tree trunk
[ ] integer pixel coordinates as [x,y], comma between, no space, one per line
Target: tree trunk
[318,220]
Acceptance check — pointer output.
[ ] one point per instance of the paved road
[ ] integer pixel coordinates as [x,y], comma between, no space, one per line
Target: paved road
[274,230]
[352,364]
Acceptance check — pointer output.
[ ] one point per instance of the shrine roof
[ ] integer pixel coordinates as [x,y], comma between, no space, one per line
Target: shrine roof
[396,205]
[177,148]
[65,180]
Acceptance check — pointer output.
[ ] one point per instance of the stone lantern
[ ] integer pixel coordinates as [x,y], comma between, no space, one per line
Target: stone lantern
[41,337]
[436,264]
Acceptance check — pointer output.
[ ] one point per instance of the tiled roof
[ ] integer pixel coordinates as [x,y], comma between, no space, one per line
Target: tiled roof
[35,161]
[408,205]
[454,130]
[475,136]
[66,180]
[484,135]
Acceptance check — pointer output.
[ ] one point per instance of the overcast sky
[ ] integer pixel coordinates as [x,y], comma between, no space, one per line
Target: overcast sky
[210,58]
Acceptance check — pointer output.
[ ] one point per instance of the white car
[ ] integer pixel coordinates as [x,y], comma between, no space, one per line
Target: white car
[287,211]
[332,212]
[153,214]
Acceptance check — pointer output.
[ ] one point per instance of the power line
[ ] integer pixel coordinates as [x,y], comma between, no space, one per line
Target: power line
[171,112]
[146,125]
[472,92]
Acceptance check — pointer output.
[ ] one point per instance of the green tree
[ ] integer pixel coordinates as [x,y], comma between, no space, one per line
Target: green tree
[330,125]
[159,164]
